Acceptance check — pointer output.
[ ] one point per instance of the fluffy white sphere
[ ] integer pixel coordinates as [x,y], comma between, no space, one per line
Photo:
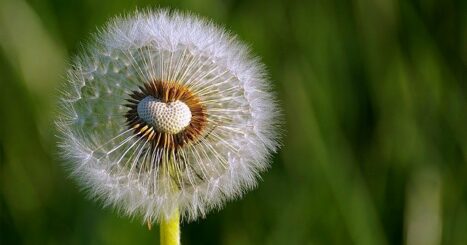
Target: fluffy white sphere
[148,159]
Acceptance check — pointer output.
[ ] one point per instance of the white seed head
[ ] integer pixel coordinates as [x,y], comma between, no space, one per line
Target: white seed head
[166,110]
[170,117]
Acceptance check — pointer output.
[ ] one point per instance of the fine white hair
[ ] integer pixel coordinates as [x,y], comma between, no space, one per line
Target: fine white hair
[105,155]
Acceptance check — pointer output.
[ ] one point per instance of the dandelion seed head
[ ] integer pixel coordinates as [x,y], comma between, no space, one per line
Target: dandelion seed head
[166,110]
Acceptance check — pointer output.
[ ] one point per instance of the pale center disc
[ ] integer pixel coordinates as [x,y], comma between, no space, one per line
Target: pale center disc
[169,118]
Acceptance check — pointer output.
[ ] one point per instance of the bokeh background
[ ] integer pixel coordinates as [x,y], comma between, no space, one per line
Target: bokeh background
[374,94]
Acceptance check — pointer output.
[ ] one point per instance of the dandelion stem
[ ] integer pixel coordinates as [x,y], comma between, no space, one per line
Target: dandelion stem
[170,229]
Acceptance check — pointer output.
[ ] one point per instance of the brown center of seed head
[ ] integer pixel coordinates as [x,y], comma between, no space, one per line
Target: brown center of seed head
[161,132]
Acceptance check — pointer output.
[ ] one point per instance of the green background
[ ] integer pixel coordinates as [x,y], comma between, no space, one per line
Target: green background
[374,95]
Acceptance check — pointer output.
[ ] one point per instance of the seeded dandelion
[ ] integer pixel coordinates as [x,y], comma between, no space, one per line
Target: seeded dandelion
[167,114]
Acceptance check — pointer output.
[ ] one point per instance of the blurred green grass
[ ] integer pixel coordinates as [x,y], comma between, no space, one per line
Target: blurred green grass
[374,94]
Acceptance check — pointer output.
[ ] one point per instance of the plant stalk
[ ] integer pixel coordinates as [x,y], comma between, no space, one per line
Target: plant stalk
[170,229]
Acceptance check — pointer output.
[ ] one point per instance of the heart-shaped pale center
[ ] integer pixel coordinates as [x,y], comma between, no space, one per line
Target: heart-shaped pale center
[169,118]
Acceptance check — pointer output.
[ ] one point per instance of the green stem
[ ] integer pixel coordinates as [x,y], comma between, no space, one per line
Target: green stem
[170,229]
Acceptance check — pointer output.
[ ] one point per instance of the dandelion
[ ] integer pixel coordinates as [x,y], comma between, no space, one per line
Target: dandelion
[166,114]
